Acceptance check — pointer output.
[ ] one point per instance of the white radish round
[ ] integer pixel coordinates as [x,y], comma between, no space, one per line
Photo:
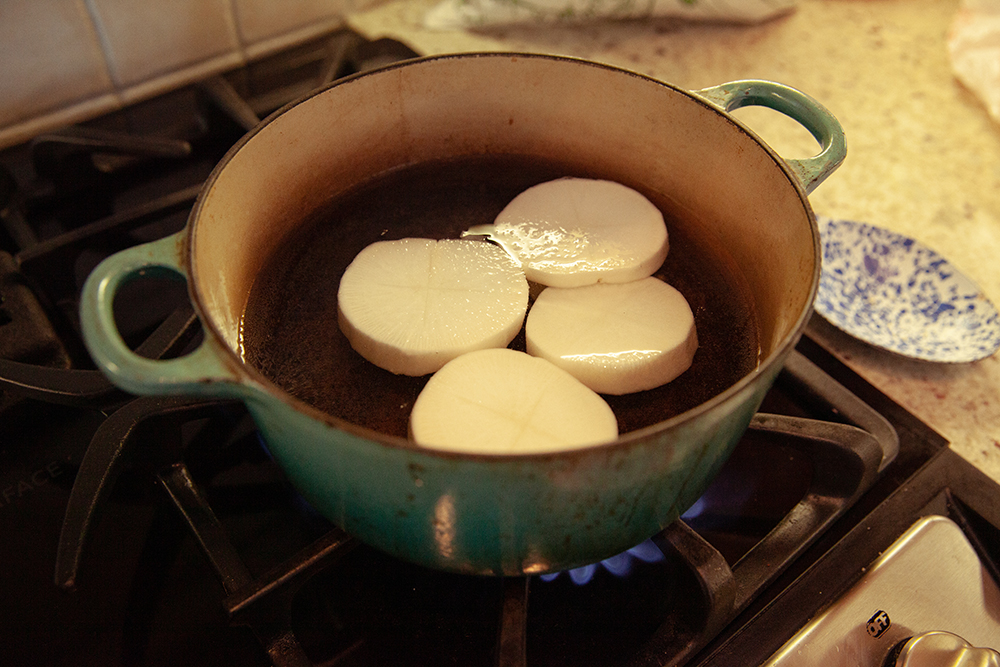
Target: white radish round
[577,231]
[505,402]
[412,305]
[616,339]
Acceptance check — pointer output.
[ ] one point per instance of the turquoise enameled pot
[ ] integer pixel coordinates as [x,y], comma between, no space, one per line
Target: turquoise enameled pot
[473,513]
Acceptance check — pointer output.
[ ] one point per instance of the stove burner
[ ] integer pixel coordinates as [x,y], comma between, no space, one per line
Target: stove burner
[174,494]
[843,462]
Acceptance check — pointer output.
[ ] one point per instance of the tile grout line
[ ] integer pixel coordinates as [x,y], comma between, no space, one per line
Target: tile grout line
[98,27]
[117,95]
[235,26]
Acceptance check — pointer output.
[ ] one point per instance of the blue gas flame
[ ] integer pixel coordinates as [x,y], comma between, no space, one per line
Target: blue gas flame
[620,565]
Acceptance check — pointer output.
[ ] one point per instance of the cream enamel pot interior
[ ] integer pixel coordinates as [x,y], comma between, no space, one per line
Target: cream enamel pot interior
[473,513]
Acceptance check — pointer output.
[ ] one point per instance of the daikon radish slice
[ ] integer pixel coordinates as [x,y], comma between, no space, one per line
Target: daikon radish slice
[503,401]
[616,339]
[412,305]
[577,231]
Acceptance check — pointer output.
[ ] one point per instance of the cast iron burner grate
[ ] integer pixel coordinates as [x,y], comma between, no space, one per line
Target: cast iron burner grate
[844,462]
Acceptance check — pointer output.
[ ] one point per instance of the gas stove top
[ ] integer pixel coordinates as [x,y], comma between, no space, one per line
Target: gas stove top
[158,531]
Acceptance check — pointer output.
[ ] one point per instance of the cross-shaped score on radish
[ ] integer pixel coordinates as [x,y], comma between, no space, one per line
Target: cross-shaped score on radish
[616,339]
[579,231]
[412,305]
[503,401]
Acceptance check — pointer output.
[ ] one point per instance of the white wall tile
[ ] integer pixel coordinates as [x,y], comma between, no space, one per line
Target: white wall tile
[65,61]
[148,39]
[50,58]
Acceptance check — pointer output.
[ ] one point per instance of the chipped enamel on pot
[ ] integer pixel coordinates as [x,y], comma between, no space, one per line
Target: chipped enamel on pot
[477,513]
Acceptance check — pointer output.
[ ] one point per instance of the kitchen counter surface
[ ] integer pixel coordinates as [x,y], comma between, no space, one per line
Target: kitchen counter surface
[923,153]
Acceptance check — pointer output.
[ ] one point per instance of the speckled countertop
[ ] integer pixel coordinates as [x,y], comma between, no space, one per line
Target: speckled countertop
[923,154]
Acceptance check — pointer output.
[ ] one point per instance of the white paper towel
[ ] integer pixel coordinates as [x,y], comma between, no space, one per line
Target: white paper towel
[457,14]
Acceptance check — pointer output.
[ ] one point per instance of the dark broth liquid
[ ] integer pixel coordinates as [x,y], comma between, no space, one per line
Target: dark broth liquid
[290,331]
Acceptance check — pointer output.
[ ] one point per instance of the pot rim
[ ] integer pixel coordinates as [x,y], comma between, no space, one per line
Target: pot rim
[252,379]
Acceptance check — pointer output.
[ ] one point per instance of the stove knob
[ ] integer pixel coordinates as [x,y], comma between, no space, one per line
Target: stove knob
[943,649]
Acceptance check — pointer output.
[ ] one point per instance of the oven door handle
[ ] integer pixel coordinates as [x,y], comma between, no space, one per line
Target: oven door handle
[206,371]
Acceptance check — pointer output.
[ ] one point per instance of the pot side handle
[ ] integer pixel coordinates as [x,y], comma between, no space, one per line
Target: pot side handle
[200,373]
[796,105]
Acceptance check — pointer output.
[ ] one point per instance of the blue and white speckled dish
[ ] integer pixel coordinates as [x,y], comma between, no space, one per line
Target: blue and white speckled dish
[891,291]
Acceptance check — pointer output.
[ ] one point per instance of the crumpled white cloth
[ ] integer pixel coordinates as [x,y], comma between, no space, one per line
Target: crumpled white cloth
[974,47]
[458,14]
